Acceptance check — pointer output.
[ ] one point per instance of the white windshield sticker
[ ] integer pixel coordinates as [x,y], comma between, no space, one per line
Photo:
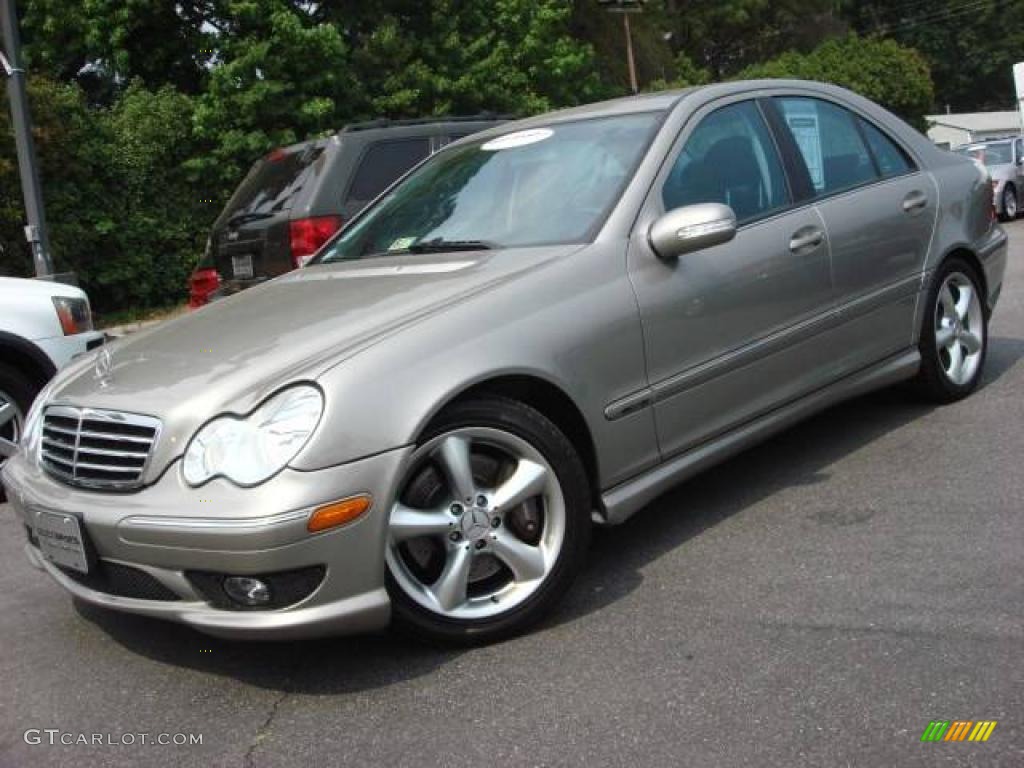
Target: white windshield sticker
[401,243]
[518,139]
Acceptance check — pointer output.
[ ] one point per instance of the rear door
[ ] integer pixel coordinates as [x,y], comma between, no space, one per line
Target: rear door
[879,212]
[250,240]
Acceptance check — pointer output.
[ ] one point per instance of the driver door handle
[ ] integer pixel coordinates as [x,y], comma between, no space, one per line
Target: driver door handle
[914,202]
[806,239]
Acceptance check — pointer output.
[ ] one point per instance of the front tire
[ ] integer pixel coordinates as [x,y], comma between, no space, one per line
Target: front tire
[17,392]
[491,524]
[954,337]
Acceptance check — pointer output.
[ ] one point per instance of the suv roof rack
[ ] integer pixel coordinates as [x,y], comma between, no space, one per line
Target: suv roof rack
[384,122]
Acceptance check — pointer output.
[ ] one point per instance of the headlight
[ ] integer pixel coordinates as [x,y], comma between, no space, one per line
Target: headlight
[74,315]
[248,450]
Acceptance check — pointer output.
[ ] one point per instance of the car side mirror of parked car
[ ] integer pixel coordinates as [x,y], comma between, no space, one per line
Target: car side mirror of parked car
[691,228]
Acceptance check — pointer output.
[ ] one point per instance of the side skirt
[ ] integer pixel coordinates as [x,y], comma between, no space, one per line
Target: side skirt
[624,500]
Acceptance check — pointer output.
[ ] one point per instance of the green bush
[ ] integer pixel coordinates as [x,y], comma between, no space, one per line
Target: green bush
[122,208]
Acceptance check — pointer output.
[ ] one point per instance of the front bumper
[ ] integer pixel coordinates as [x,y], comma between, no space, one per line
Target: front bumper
[62,349]
[168,530]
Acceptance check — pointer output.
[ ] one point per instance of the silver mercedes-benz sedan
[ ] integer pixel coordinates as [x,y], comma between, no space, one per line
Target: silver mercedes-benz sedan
[539,329]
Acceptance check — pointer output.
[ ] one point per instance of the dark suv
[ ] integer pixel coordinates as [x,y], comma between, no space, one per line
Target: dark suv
[293,199]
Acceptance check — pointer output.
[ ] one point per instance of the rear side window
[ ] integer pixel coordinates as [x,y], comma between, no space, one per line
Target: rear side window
[274,182]
[891,159]
[380,165]
[830,144]
[729,158]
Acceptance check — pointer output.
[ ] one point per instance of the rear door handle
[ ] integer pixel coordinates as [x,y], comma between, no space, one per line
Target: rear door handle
[806,239]
[914,202]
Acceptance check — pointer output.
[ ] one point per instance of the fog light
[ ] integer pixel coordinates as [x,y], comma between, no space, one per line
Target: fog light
[247,590]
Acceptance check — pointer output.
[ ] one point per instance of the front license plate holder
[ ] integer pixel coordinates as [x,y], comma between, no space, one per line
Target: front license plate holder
[62,540]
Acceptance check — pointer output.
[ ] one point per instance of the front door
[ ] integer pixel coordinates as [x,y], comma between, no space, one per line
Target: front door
[733,330]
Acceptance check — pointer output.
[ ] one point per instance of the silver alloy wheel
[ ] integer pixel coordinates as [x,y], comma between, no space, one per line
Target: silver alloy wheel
[959,328]
[473,526]
[1010,204]
[11,421]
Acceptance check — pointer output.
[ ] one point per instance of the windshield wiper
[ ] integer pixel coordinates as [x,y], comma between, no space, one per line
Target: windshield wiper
[242,218]
[439,245]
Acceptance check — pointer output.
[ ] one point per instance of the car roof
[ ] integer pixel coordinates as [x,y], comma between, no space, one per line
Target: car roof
[664,101]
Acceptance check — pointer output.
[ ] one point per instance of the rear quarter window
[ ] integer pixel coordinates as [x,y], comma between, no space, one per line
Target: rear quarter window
[892,160]
[379,166]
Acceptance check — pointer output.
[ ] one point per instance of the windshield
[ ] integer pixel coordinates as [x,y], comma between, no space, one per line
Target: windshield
[989,154]
[531,187]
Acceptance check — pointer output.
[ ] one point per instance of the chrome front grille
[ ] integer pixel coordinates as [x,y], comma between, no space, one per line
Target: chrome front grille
[94,448]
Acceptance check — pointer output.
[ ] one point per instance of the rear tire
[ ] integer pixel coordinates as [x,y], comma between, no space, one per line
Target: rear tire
[954,335]
[1011,205]
[17,392]
[478,555]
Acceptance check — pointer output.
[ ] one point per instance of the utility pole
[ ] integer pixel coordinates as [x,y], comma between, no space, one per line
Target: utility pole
[10,58]
[626,7]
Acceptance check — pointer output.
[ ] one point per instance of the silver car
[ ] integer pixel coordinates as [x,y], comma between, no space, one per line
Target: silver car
[1004,160]
[540,328]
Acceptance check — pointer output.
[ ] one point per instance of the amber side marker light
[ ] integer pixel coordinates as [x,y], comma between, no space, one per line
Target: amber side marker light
[338,513]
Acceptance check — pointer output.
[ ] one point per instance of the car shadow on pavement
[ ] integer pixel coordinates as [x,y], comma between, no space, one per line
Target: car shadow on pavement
[346,665]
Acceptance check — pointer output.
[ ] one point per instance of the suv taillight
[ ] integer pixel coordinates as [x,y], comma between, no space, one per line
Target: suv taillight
[201,284]
[307,235]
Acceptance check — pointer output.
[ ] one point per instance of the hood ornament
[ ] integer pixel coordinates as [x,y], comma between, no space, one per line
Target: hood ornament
[101,370]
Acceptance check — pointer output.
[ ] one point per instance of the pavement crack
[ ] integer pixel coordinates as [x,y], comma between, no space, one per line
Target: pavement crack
[263,731]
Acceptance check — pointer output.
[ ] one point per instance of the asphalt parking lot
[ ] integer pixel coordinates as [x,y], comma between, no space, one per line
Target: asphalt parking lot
[815,601]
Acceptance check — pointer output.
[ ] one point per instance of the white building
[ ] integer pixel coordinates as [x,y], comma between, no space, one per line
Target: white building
[966,127]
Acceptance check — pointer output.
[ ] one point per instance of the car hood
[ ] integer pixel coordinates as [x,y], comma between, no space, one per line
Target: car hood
[230,355]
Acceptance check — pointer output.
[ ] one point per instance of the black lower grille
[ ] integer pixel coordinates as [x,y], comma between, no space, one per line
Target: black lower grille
[121,580]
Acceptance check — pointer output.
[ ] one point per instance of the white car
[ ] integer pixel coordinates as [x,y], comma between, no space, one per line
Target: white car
[42,326]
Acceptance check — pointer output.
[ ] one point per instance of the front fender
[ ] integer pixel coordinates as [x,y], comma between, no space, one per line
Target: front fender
[573,324]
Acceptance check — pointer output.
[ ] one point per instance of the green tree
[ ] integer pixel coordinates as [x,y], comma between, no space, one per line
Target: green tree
[725,36]
[882,70]
[970,46]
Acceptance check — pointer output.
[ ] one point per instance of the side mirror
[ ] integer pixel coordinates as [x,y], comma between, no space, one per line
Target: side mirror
[692,228]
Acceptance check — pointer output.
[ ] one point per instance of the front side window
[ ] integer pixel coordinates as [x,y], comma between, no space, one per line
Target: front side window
[545,185]
[891,159]
[828,140]
[729,158]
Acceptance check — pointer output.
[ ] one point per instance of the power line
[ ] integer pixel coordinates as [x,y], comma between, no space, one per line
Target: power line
[941,17]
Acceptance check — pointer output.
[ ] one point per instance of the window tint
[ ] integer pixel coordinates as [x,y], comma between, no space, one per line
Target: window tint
[382,163]
[729,158]
[828,140]
[891,159]
[1019,144]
